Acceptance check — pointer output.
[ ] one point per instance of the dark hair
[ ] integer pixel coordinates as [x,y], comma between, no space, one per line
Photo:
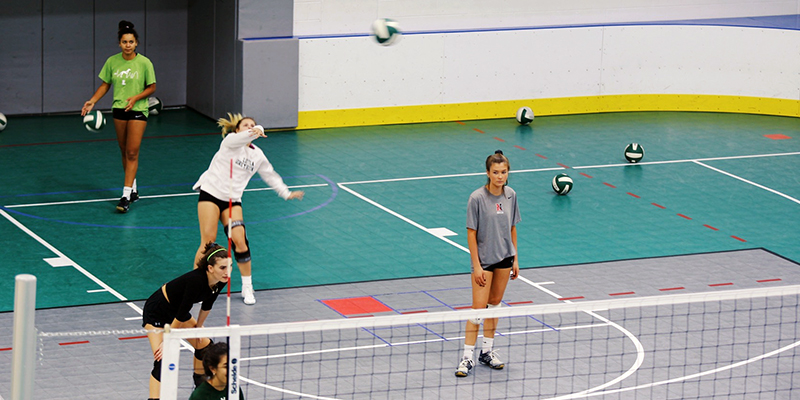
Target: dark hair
[497,158]
[213,353]
[211,254]
[126,27]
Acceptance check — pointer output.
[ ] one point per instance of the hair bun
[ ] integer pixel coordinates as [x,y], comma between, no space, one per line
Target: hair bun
[498,152]
[125,25]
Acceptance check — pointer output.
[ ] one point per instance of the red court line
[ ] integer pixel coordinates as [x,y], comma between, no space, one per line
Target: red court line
[541,156]
[721,284]
[571,298]
[609,185]
[414,312]
[710,227]
[478,130]
[71,343]
[621,293]
[5,349]
[562,165]
[460,123]
[133,337]
[683,216]
[634,195]
[588,176]
[360,316]
[738,238]
[103,140]
[659,206]
[520,147]
[768,280]
[497,138]
[672,288]
[462,307]
[519,302]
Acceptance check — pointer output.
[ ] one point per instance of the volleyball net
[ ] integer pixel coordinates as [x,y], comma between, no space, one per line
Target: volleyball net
[735,343]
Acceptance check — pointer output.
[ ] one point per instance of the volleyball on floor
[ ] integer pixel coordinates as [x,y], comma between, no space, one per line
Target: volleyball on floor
[386,31]
[94,121]
[3,122]
[154,105]
[562,183]
[634,152]
[525,115]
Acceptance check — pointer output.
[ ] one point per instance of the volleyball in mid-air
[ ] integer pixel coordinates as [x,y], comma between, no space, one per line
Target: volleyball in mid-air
[634,152]
[386,31]
[94,121]
[524,115]
[3,122]
[562,183]
[154,105]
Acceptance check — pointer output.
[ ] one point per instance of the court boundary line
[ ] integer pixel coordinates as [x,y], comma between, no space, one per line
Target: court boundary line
[747,181]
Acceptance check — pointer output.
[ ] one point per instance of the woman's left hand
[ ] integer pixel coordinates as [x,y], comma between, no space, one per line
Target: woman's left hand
[296,195]
[131,101]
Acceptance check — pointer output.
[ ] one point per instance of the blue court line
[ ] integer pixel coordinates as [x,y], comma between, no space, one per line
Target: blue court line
[334,192]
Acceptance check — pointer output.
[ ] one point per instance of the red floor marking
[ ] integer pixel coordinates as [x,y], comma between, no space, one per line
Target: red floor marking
[71,343]
[462,307]
[777,136]
[588,176]
[460,123]
[739,239]
[769,280]
[478,130]
[659,206]
[497,138]
[562,165]
[609,185]
[360,316]
[571,298]
[519,302]
[520,147]
[5,349]
[721,284]
[133,337]
[621,293]
[541,156]
[683,216]
[356,305]
[414,312]
[710,227]
[672,288]
[634,195]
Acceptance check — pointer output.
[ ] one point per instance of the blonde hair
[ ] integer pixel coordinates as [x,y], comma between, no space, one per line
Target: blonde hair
[232,123]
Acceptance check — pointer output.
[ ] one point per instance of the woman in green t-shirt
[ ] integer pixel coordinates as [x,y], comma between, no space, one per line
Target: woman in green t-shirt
[134,80]
[215,364]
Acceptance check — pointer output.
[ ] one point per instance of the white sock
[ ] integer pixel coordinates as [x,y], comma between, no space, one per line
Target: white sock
[247,280]
[469,352]
[487,345]
[126,192]
[133,187]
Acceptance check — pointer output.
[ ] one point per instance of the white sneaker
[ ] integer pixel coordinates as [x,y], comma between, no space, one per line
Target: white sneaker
[464,367]
[248,294]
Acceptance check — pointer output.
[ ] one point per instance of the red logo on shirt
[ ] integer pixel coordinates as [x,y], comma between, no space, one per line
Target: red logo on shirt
[499,207]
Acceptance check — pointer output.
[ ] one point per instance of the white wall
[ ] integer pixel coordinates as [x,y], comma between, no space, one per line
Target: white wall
[327,17]
[446,68]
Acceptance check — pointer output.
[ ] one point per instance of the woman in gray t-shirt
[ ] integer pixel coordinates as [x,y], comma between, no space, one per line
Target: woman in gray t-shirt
[492,216]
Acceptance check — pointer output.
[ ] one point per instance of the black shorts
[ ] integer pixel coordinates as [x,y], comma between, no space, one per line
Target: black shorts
[507,262]
[121,114]
[156,310]
[221,204]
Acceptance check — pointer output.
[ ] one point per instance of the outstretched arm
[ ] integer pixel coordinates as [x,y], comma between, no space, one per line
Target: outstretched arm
[101,91]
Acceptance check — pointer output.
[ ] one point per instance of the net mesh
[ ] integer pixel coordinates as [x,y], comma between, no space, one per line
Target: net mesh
[734,344]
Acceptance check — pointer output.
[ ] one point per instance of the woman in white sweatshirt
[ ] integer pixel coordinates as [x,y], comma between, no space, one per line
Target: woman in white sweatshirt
[216,187]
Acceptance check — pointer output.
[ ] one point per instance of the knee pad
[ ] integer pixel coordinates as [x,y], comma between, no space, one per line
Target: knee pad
[240,256]
[156,372]
[490,306]
[199,353]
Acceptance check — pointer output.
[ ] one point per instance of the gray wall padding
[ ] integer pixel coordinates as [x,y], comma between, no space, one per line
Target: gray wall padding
[269,81]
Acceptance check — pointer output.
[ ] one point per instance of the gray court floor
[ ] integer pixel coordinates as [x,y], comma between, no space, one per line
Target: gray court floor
[90,351]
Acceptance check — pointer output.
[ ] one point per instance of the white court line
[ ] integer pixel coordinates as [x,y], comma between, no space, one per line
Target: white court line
[746,181]
[157,196]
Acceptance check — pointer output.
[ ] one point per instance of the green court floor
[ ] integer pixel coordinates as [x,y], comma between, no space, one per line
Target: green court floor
[375,197]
